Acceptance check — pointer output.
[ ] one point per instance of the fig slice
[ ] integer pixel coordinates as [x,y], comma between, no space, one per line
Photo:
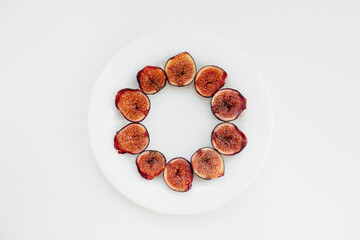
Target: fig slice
[180,69]
[178,174]
[133,139]
[150,164]
[207,163]
[227,104]
[227,139]
[133,104]
[151,79]
[209,79]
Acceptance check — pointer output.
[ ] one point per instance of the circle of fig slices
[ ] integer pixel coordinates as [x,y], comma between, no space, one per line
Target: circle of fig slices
[133,104]
[151,79]
[209,79]
[178,175]
[180,69]
[227,104]
[207,163]
[227,139]
[150,164]
[133,139]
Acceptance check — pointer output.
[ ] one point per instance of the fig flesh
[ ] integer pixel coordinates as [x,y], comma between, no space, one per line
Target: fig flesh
[227,104]
[150,164]
[133,139]
[180,69]
[178,175]
[207,163]
[151,79]
[227,139]
[133,104]
[209,79]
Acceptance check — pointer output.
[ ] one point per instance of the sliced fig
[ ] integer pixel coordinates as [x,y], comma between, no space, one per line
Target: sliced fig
[151,79]
[207,163]
[227,104]
[209,79]
[133,139]
[133,104]
[150,164]
[180,69]
[178,175]
[227,139]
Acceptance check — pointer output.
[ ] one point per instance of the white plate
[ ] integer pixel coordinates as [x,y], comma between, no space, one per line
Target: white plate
[179,122]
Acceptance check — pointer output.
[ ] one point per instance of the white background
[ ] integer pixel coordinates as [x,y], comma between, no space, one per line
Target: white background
[51,53]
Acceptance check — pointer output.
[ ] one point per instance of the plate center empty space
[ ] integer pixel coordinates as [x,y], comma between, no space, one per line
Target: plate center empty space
[179,121]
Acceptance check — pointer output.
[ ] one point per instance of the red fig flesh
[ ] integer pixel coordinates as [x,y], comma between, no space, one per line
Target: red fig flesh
[178,175]
[133,104]
[150,164]
[180,69]
[151,79]
[227,139]
[209,79]
[227,104]
[133,139]
[207,163]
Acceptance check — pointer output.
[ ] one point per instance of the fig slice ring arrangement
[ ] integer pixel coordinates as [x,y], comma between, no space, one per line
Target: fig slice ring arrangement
[207,162]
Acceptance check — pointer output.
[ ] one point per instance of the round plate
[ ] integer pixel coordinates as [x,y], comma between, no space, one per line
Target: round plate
[179,122]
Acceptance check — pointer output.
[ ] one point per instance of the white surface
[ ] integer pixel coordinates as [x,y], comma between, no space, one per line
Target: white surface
[51,53]
[179,122]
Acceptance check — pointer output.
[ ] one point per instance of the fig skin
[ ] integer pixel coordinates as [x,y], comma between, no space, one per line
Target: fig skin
[209,79]
[133,138]
[227,104]
[151,79]
[207,163]
[178,174]
[180,69]
[150,164]
[227,139]
[133,104]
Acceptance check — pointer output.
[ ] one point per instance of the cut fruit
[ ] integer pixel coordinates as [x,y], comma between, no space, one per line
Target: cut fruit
[227,104]
[178,175]
[133,139]
[209,79]
[150,164]
[227,139]
[180,69]
[151,79]
[133,104]
[207,163]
